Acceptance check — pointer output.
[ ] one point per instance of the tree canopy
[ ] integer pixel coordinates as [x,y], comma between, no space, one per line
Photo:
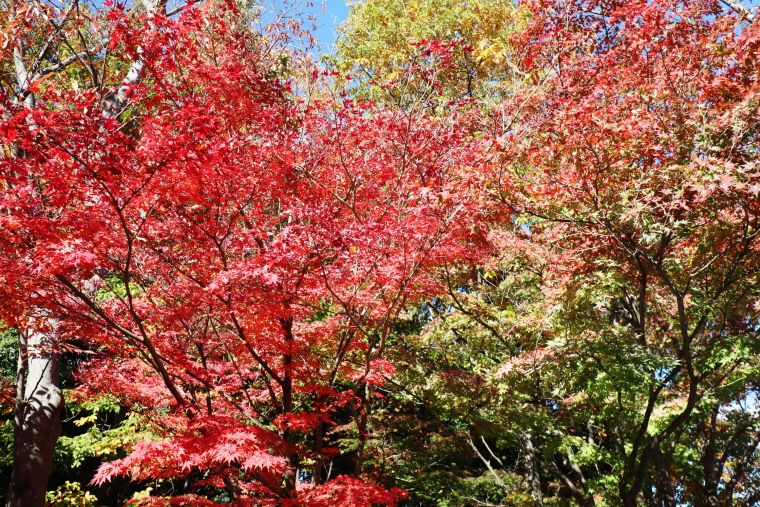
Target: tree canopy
[487,253]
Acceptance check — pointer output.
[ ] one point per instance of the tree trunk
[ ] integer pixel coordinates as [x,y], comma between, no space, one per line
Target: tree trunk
[532,468]
[37,423]
[361,425]
[291,476]
[39,402]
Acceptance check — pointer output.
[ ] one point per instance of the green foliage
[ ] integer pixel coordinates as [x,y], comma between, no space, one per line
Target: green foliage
[8,353]
[101,439]
[116,288]
[6,443]
[70,494]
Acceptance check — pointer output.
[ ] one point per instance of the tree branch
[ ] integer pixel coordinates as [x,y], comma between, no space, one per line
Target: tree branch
[740,9]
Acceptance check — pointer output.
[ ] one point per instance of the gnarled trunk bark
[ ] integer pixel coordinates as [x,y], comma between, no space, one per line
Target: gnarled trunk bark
[37,423]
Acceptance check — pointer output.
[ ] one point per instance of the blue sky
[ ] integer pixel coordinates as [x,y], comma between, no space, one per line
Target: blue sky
[328,14]
[334,13]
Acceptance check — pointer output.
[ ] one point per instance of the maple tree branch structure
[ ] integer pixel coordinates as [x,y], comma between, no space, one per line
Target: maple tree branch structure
[489,254]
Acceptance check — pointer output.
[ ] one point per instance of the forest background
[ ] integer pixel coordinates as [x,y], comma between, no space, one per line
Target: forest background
[464,253]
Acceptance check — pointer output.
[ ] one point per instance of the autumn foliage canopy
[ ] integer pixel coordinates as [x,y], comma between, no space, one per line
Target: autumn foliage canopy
[234,255]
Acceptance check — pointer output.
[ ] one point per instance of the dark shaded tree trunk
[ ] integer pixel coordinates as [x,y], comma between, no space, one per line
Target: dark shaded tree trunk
[37,422]
[318,459]
[291,477]
[362,420]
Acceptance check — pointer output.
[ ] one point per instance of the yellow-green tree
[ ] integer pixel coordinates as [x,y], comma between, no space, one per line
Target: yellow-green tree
[383,41]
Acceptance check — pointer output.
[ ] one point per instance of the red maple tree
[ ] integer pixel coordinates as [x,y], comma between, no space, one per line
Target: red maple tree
[236,255]
[632,154]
